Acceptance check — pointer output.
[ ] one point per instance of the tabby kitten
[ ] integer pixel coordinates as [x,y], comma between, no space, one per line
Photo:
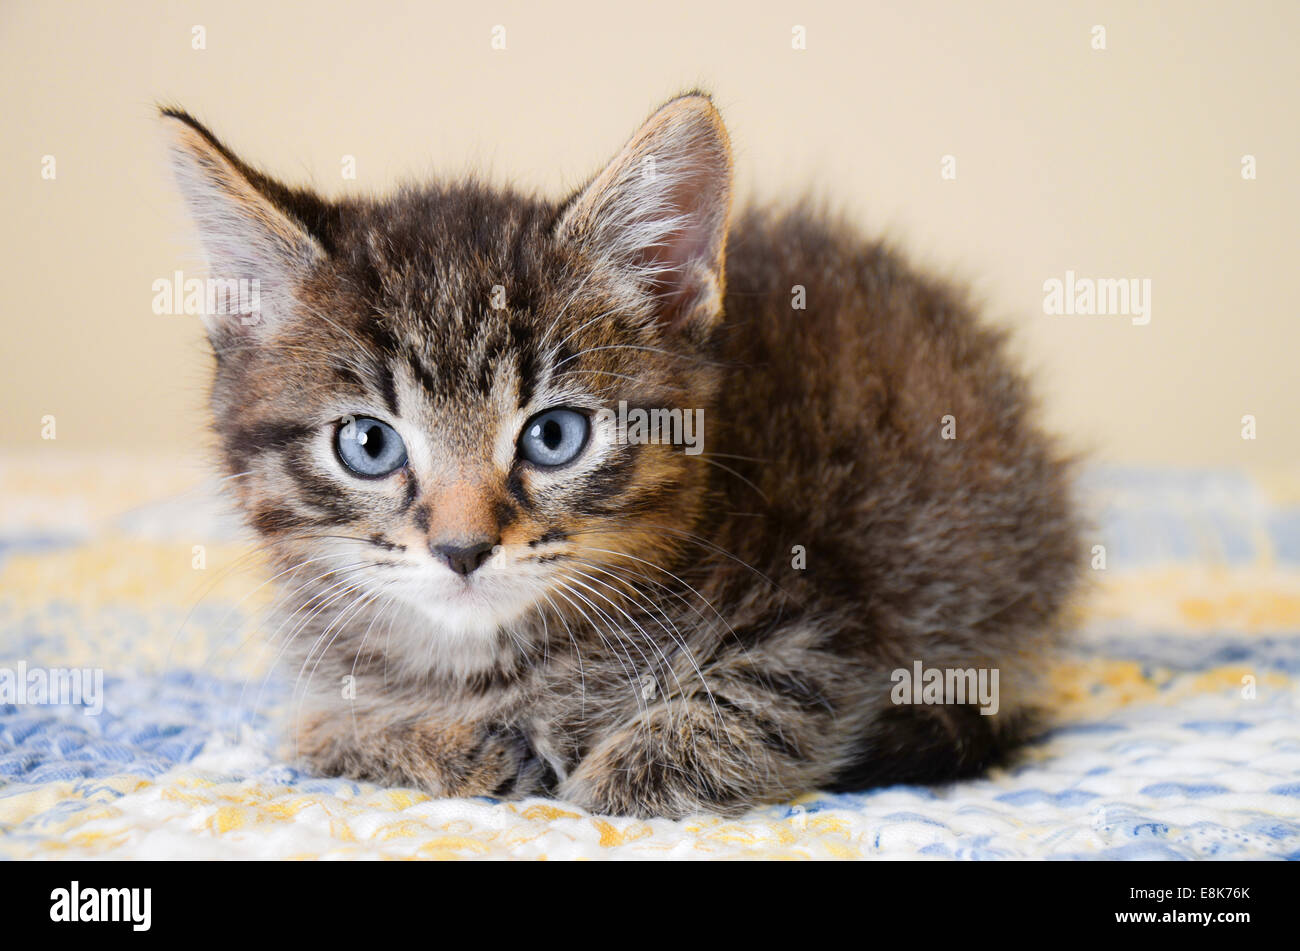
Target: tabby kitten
[494,587]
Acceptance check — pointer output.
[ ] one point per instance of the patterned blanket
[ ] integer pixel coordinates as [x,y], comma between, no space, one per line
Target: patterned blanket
[1177,723]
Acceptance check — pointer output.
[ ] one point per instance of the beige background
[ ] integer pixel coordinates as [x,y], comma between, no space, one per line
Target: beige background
[1122,163]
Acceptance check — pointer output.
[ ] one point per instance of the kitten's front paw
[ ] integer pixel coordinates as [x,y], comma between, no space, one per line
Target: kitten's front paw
[672,763]
[444,759]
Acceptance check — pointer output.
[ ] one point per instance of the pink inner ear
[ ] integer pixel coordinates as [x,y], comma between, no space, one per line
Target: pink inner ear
[668,228]
[688,261]
[683,280]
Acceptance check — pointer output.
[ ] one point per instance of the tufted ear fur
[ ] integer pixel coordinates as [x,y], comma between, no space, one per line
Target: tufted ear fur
[257,245]
[660,209]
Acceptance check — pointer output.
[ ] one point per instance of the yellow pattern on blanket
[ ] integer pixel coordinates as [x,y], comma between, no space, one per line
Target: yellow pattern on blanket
[1177,730]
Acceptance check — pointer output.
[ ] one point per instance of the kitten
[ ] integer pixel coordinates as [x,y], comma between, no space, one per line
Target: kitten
[497,586]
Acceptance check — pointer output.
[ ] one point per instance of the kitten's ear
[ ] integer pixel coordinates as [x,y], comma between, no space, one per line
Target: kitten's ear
[659,210]
[250,228]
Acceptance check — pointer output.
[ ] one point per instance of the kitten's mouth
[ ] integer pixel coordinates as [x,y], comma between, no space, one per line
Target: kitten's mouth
[466,605]
[465,591]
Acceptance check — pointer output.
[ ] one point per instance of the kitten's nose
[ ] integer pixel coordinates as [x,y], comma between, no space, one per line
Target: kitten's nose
[463,559]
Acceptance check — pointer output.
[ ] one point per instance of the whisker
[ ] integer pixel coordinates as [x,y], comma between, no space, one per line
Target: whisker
[564,591]
[673,634]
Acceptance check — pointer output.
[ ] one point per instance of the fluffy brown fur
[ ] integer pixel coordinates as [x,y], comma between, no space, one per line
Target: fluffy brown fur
[646,638]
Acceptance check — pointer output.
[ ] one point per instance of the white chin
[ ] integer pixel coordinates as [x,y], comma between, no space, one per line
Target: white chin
[451,628]
[467,612]
[464,620]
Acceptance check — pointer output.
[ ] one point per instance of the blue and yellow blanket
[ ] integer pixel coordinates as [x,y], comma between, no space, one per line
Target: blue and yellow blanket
[1177,734]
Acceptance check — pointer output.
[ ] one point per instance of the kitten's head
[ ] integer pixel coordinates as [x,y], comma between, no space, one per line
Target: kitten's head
[411,391]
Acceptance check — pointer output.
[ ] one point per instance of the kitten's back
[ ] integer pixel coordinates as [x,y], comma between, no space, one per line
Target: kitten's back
[955,552]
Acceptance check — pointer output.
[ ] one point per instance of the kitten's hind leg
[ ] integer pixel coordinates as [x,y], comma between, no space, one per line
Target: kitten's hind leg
[928,745]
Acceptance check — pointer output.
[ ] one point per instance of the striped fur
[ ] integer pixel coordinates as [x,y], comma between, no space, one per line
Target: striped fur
[645,641]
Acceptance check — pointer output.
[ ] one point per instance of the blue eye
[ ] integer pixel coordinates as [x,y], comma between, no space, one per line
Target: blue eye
[554,438]
[370,448]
